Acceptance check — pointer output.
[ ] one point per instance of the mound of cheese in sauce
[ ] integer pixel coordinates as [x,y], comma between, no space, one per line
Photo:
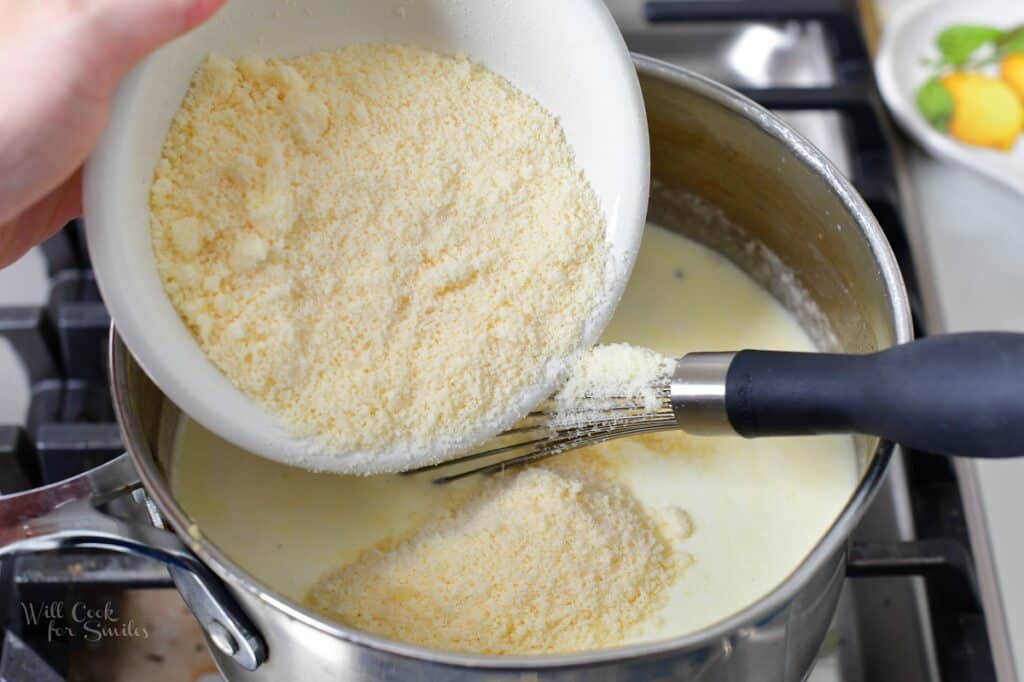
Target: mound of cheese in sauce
[560,558]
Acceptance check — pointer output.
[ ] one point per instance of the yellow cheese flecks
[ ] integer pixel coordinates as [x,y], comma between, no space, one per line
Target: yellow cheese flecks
[553,559]
[383,246]
[676,523]
[186,236]
[608,377]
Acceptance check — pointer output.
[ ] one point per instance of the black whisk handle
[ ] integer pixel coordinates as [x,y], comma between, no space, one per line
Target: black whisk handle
[958,394]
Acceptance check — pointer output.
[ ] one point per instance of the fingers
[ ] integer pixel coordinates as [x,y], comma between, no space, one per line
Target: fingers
[127,30]
[200,11]
[60,63]
[41,220]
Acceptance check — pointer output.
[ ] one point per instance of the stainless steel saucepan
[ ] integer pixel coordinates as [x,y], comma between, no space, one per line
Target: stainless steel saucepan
[801,227]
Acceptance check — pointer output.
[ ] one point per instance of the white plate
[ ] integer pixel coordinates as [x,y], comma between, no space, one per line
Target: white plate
[908,38]
[567,54]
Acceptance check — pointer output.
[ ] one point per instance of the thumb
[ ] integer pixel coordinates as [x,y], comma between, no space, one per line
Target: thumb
[125,31]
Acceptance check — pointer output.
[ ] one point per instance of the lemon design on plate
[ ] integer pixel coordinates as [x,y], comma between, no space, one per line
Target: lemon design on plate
[987,112]
[976,94]
[1012,72]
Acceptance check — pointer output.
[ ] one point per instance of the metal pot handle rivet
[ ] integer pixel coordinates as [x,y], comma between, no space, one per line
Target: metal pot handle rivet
[221,638]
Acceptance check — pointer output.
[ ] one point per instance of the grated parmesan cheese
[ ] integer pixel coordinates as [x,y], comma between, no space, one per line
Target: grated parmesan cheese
[607,374]
[385,247]
[550,559]
[676,524]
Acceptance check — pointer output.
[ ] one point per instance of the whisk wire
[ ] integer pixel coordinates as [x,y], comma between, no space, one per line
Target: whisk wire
[551,429]
[557,447]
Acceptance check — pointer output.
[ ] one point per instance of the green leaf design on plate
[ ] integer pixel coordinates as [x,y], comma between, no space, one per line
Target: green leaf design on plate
[1012,41]
[958,43]
[935,103]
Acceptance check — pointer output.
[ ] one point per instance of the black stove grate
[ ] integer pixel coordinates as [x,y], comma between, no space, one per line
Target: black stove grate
[70,425]
[70,422]
[69,428]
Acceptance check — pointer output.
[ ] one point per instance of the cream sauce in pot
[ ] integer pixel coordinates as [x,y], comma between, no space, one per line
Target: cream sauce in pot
[757,507]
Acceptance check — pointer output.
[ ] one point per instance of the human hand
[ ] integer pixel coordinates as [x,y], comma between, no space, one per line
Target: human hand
[60,61]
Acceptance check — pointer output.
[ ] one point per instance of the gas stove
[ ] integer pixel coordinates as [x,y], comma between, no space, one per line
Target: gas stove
[910,610]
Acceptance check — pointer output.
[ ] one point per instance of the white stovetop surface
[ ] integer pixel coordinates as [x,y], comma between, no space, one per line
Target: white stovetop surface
[969,242]
[972,234]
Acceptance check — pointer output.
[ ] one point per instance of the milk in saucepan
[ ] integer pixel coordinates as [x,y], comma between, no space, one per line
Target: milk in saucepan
[757,507]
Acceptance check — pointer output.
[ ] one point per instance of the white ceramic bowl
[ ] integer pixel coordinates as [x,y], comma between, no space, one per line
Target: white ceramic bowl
[567,54]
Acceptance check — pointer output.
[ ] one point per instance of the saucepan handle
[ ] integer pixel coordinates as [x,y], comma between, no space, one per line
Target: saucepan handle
[64,515]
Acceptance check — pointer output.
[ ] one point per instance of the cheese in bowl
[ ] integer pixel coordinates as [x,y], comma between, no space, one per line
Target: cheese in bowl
[390,250]
[660,535]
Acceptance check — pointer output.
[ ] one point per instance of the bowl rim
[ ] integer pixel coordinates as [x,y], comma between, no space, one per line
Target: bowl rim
[830,544]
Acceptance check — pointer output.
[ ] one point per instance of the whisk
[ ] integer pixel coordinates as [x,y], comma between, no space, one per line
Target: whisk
[959,394]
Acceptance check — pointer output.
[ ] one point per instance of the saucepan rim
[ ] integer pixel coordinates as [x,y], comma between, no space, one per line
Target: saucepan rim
[831,542]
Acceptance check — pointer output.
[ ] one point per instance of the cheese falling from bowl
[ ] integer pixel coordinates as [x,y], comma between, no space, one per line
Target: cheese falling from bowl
[387,248]
[610,376]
